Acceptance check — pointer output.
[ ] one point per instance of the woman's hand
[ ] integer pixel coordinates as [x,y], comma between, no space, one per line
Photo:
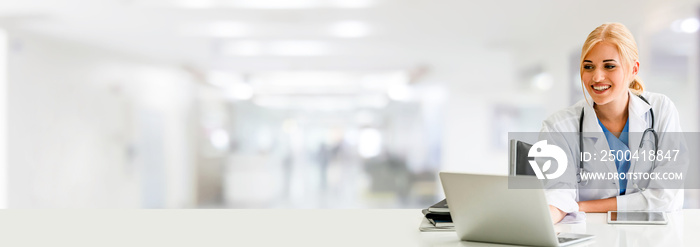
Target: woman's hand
[556,213]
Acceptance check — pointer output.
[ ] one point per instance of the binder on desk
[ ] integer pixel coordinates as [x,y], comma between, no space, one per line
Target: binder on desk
[426,226]
[441,223]
[440,207]
[437,218]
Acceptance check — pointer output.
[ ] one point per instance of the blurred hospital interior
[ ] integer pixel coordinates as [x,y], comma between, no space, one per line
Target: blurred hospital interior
[297,103]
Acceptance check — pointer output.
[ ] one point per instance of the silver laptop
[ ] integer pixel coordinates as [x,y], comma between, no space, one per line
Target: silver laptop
[484,209]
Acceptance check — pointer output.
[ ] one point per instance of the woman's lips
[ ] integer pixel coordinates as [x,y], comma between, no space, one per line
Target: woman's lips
[599,89]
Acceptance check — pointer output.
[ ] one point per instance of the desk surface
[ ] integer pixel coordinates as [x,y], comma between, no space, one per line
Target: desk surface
[393,227]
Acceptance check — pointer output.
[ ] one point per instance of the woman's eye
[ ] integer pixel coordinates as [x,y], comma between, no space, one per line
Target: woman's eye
[610,66]
[587,67]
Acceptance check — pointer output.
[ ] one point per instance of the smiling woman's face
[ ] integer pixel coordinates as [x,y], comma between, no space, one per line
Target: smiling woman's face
[603,75]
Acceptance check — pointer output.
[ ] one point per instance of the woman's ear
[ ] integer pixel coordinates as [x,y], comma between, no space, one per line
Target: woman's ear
[635,68]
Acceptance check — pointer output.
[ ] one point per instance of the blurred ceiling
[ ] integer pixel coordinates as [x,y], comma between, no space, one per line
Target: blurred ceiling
[322,34]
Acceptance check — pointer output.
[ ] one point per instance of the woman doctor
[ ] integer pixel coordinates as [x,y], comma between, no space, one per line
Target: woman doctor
[620,107]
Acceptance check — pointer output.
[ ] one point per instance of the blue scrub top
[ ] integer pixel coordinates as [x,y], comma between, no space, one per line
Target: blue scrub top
[621,143]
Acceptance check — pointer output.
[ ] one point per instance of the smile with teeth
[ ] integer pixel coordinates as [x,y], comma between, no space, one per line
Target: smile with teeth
[601,87]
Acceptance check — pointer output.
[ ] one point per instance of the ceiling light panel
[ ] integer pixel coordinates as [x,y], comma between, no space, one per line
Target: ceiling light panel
[245,48]
[259,4]
[305,82]
[349,29]
[275,30]
[294,48]
[218,29]
[299,48]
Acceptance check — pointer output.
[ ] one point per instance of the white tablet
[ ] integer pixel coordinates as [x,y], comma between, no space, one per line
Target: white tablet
[637,217]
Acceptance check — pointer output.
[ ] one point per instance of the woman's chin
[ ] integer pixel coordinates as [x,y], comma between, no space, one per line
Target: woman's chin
[601,100]
[607,97]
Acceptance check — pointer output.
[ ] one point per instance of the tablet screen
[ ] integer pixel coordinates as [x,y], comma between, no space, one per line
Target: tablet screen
[637,216]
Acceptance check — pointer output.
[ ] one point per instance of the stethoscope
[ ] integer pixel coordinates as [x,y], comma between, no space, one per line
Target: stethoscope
[641,144]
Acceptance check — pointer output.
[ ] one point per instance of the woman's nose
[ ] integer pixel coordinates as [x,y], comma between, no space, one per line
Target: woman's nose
[598,76]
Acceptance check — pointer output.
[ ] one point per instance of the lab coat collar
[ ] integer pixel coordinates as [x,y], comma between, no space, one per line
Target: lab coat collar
[637,109]
[591,129]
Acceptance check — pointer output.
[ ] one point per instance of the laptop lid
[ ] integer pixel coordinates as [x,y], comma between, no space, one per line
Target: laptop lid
[485,210]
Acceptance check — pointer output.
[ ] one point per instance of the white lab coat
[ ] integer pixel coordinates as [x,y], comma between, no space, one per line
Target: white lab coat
[563,193]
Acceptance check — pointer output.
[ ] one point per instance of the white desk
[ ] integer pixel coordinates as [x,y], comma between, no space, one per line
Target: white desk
[398,227]
[683,229]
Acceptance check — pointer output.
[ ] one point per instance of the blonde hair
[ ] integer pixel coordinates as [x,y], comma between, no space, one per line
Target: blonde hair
[621,37]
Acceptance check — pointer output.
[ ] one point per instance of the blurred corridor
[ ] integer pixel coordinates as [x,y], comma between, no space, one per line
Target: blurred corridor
[296,103]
